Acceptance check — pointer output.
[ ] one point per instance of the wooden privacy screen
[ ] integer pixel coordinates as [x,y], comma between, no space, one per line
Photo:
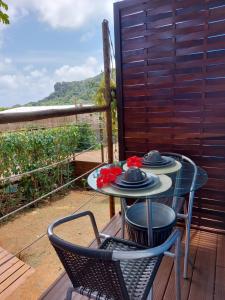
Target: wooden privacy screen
[170,57]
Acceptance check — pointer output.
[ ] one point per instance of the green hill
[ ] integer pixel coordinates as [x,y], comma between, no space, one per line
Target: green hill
[75,92]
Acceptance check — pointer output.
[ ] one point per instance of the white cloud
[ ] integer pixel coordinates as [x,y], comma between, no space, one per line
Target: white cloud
[8,60]
[38,73]
[72,14]
[5,64]
[87,36]
[69,73]
[1,36]
[28,68]
[8,81]
[29,84]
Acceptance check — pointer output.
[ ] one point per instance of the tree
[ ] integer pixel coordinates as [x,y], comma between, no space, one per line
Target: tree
[99,99]
[4,18]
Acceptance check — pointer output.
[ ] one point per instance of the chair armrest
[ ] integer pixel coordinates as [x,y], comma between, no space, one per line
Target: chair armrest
[74,217]
[150,252]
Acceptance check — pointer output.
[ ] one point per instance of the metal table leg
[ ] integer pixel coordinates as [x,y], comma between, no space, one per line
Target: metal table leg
[149,221]
[122,203]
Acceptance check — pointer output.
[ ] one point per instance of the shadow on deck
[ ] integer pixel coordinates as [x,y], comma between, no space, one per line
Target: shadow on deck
[206,278]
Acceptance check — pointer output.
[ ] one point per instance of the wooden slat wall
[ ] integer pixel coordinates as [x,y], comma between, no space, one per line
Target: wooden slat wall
[170,58]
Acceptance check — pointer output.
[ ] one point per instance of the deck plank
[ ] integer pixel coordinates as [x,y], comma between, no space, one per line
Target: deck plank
[220,283]
[7,262]
[185,283]
[1,249]
[13,272]
[20,279]
[16,274]
[162,278]
[202,285]
[3,254]
[220,251]
[10,272]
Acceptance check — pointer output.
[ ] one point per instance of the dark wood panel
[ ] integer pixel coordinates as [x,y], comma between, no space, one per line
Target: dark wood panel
[210,204]
[208,224]
[182,34]
[172,76]
[205,193]
[217,215]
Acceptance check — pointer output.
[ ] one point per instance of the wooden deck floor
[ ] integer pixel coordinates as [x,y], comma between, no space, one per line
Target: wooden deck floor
[206,279]
[13,272]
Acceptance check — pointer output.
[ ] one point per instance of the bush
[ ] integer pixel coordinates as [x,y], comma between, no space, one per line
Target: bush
[25,151]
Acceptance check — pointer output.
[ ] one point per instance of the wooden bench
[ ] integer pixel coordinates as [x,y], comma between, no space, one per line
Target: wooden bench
[13,272]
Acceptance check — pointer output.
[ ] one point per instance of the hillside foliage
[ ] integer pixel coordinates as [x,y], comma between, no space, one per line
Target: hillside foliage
[25,151]
[75,92]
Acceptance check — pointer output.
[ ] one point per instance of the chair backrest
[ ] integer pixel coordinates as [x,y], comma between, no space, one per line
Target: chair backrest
[90,270]
[193,172]
[183,158]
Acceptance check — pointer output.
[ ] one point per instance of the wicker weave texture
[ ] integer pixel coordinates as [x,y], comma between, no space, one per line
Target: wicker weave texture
[118,280]
[93,275]
[138,274]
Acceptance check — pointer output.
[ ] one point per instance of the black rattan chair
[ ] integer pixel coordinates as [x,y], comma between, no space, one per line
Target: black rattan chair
[118,269]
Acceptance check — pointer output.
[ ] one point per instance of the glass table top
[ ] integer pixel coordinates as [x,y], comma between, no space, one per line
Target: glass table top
[178,183]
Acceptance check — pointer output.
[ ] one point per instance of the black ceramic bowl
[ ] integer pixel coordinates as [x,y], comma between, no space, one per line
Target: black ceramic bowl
[134,175]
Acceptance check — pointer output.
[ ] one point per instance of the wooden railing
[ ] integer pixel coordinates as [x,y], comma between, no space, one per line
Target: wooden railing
[7,117]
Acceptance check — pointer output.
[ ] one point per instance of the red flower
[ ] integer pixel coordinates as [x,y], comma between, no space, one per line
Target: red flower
[116,171]
[108,175]
[100,182]
[104,171]
[134,161]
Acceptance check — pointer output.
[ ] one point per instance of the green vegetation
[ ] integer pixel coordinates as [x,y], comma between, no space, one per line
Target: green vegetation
[75,92]
[2,108]
[28,150]
[4,18]
[99,99]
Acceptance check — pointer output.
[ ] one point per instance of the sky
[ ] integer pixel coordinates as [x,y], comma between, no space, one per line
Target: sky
[49,41]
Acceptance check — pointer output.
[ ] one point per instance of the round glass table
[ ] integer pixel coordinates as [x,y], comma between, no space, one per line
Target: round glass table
[185,179]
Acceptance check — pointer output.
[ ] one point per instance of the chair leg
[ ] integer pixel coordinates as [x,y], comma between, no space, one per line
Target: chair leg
[188,234]
[187,245]
[150,295]
[177,269]
[69,293]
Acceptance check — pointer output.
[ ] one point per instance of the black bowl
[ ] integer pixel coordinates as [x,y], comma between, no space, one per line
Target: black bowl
[134,175]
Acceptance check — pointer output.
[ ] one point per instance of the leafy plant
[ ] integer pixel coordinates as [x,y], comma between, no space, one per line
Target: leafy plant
[4,18]
[25,151]
[99,99]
